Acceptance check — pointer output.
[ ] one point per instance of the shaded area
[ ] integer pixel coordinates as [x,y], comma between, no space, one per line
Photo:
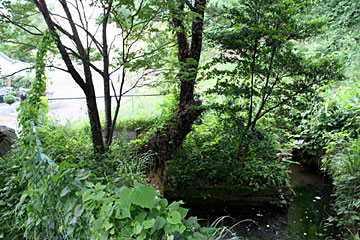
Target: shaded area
[303,219]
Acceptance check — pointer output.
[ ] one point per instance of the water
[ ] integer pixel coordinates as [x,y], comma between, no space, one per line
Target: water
[302,220]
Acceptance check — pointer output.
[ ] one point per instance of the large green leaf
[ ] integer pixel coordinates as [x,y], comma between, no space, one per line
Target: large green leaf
[159,224]
[143,196]
[148,223]
[174,217]
[122,213]
[125,197]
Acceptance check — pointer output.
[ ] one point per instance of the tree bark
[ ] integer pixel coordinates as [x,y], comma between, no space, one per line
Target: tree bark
[163,142]
[95,125]
[106,76]
[87,84]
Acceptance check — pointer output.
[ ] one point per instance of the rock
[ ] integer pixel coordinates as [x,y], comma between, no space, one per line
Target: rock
[7,138]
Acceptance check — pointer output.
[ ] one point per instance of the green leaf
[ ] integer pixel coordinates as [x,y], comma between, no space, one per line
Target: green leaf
[137,228]
[159,224]
[183,212]
[78,210]
[87,195]
[174,206]
[64,192]
[163,203]
[99,186]
[192,222]
[126,231]
[174,217]
[82,175]
[182,229]
[144,196]
[148,223]
[140,217]
[125,197]
[22,199]
[99,196]
[122,213]
[142,236]
[198,236]
[107,209]
[107,225]
[154,213]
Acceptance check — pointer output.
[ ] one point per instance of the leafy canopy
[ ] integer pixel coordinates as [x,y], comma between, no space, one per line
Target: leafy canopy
[259,67]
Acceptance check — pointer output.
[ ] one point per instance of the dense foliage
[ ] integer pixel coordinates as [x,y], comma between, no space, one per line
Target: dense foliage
[269,90]
[61,200]
[18,82]
[207,158]
[344,168]
[328,135]
[9,99]
[57,200]
[20,29]
[260,67]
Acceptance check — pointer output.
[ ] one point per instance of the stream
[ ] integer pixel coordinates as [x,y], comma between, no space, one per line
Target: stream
[303,219]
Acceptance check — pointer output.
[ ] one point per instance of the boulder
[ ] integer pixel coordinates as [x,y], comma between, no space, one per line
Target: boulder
[7,138]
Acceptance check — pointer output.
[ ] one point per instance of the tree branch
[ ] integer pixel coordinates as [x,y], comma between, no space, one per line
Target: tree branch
[89,34]
[22,26]
[16,42]
[41,5]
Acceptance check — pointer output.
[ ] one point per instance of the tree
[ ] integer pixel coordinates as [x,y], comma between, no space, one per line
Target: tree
[189,43]
[135,22]
[260,68]
[20,28]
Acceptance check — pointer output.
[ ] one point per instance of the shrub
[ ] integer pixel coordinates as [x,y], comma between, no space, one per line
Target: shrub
[207,158]
[21,82]
[344,169]
[339,113]
[9,99]
[64,201]
[12,185]
[12,94]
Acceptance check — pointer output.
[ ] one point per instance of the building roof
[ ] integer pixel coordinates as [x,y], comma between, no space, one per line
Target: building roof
[10,66]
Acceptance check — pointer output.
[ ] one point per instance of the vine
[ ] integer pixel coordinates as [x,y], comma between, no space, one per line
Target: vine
[62,201]
[35,106]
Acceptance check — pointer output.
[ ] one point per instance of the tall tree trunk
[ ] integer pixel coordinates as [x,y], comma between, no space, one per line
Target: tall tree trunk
[87,84]
[106,76]
[95,124]
[163,142]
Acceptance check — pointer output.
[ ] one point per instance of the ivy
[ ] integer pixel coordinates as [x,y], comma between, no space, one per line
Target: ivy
[35,107]
[63,201]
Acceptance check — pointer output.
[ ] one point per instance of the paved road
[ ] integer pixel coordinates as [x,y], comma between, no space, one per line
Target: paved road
[62,110]
[8,114]
[62,86]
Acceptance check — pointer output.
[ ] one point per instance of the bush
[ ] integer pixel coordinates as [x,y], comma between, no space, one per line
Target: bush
[12,185]
[12,94]
[339,113]
[207,158]
[9,99]
[21,82]
[44,200]
[344,169]
[143,124]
